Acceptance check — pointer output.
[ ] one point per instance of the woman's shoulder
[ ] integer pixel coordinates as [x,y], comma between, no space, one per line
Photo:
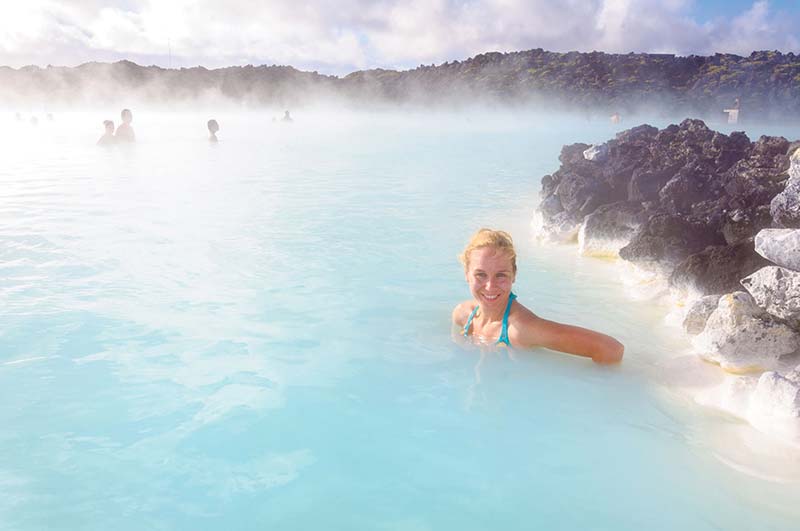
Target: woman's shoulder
[461,312]
[520,312]
[522,324]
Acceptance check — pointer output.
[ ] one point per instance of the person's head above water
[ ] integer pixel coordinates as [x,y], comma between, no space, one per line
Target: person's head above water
[109,125]
[490,268]
[495,240]
[124,133]
[213,126]
[495,316]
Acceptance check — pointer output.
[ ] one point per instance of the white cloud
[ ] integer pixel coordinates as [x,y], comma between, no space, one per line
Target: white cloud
[351,34]
[757,29]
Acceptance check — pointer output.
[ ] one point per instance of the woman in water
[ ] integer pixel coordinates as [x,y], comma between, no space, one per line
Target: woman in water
[490,266]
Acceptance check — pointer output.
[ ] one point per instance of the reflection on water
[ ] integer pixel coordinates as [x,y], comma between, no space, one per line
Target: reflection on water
[257,332]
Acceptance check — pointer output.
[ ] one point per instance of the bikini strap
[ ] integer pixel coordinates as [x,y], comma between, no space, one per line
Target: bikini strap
[504,332]
[469,321]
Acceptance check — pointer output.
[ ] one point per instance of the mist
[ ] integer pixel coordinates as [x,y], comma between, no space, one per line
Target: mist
[593,85]
[183,319]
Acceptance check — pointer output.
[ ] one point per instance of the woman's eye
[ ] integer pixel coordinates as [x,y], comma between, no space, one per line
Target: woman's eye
[480,275]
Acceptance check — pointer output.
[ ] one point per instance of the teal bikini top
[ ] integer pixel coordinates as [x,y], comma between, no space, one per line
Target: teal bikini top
[504,332]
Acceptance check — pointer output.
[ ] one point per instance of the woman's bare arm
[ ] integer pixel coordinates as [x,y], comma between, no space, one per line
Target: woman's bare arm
[535,331]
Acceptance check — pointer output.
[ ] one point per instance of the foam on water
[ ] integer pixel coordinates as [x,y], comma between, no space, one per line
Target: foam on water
[256,334]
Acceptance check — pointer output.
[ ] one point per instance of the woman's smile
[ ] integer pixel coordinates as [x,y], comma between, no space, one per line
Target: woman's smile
[491,276]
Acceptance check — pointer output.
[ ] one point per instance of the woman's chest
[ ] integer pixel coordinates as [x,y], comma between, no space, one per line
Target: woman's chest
[486,332]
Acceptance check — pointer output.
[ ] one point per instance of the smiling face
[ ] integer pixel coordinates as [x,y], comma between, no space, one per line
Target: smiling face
[490,275]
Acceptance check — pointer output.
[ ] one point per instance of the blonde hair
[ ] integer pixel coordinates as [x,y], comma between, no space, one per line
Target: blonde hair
[498,239]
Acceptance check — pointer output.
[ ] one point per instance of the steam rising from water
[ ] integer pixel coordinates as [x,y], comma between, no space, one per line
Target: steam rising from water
[265,322]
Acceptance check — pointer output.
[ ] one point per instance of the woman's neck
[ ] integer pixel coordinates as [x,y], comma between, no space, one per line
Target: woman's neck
[489,316]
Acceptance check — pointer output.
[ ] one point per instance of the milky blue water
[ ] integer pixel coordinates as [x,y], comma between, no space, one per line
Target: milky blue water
[256,335]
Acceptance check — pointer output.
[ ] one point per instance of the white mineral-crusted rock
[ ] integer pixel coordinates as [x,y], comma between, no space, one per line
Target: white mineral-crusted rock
[777,395]
[599,247]
[794,164]
[768,401]
[741,337]
[785,207]
[775,405]
[730,393]
[537,224]
[736,392]
[777,290]
[560,228]
[780,246]
[642,284]
[696,317]
[609,228]
[597,153]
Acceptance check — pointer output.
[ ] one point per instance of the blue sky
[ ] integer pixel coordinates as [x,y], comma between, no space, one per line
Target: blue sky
[346,35]
[708,10]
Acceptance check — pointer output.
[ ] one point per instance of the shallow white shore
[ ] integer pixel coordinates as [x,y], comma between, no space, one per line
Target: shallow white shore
[744,432]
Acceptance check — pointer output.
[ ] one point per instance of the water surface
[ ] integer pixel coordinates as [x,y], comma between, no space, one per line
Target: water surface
[256,334]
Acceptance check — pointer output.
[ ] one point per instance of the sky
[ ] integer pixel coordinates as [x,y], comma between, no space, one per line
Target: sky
[342,36]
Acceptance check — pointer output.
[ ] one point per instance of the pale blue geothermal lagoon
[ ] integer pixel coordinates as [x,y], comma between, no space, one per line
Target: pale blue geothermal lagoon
[256,335]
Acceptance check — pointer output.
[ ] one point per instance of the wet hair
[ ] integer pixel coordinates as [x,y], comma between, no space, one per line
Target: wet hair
[108,123]
[124,112]
[213,126]
[497,239]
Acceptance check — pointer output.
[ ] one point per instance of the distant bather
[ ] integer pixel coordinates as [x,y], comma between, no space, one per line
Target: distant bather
[733,112]
[213,127]
[125,131]
[108,137]
[286,117]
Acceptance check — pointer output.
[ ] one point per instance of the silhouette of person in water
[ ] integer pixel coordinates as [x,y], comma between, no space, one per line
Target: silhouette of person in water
[125,131]
[108,137]
[213,127]
[286,117]
[615,118]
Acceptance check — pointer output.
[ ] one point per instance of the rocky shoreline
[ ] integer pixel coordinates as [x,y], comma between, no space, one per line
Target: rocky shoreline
[767,83]
[716,219]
